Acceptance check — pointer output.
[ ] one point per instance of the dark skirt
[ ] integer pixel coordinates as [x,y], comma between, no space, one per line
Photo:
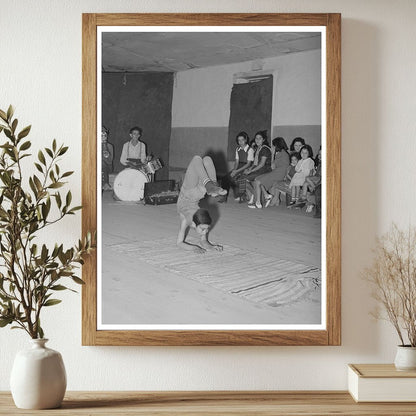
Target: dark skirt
[234,183]
[268,179]
[253,175]
[243,179]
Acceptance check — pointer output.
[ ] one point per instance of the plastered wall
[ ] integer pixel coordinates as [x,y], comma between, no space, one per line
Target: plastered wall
[201,104]
[40,74]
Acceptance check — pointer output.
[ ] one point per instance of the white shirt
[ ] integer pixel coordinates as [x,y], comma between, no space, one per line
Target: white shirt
[133,152]
[250,153]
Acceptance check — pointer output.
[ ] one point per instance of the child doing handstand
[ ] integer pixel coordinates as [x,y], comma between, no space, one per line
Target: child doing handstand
[200,179]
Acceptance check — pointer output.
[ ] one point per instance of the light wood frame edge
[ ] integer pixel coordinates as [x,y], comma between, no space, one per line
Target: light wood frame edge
[333,159]
[330,336]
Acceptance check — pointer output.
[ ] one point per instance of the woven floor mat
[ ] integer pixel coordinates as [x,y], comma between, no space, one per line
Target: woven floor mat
[247,274]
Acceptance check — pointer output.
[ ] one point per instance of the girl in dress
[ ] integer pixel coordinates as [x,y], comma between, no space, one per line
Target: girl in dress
[244,156]
[311,182]
[280,162]
[261,164]
[200,179]
[303,169]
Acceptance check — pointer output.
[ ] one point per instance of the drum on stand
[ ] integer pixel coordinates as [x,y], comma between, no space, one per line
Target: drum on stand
[150,168]
[129,185]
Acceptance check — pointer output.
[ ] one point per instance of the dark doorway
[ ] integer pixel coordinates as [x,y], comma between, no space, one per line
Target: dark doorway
[250,111]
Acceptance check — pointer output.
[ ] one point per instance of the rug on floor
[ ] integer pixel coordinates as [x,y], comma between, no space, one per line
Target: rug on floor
[263,279]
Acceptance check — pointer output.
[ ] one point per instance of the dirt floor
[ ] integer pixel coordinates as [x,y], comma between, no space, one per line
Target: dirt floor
[268,273]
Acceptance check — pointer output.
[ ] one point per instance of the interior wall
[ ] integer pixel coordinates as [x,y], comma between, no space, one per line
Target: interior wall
[41,44]
[201,104]
[144,100]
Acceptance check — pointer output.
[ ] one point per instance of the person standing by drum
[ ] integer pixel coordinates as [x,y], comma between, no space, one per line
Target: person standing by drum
[200,179]
[134,149]
[107,156]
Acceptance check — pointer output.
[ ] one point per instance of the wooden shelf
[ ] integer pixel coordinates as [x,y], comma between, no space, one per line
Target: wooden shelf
[212,403]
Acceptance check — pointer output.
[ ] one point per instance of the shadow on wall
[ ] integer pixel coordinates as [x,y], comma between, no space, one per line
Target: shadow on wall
[361,121]
[220,161]
[186,142]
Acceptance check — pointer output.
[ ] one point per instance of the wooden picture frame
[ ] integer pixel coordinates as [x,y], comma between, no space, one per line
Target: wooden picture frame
[331,335]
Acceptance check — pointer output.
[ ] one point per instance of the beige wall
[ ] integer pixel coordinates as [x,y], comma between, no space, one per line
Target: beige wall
[41,76]
[201,97]
[201,104]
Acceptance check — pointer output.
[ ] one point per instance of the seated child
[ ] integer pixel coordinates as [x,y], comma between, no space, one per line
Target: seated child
[303,169]
[312,182]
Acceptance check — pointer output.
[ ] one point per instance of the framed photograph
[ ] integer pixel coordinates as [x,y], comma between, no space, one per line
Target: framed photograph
[216,194]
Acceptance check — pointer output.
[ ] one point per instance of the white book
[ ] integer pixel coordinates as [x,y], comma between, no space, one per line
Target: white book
[381,383]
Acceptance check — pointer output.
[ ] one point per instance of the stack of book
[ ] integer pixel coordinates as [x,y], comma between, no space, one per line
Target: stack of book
[381,383]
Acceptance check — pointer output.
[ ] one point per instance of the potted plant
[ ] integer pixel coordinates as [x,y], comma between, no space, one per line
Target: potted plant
[31,272]
[393,277]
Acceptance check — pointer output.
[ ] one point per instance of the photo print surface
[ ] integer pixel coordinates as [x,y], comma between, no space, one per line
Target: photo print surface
[227,123]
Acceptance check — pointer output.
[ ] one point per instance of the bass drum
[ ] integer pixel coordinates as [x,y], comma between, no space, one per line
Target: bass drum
[129,185]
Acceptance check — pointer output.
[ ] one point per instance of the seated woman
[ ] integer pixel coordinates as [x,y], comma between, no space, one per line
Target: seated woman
[244,156]
[282,187]
[200,179]
[296,145]
[261,164]
[280,162]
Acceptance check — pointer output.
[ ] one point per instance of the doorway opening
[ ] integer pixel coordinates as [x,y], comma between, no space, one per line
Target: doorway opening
[250,107]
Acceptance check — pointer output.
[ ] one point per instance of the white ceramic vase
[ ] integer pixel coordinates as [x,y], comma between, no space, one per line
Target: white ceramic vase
[405,358]
[38,378]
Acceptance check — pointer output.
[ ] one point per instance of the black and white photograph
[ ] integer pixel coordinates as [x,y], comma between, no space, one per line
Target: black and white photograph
[212,194]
